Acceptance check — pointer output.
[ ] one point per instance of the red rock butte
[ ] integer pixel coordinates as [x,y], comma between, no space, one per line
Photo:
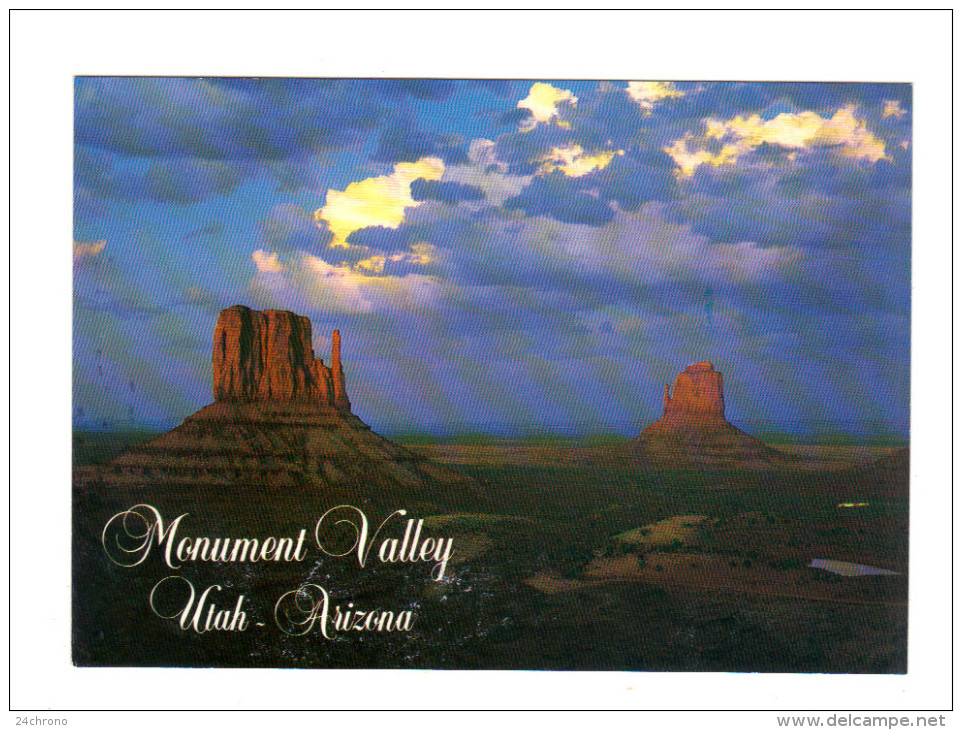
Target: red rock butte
[693,427]
[268,356]
[281,419]
[699,396]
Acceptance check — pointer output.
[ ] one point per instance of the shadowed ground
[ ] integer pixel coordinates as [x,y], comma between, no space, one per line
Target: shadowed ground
[539,578]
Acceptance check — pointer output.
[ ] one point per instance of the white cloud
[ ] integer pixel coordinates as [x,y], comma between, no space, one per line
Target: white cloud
[542,101]
[797,131]
[375,201]
[266,262]
[893,109]
[647,93]
[573,161]
[688,160]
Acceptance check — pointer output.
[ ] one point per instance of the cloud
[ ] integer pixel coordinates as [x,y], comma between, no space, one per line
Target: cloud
[893,109]
[485,172]
[542,101]
[83,250]
[805,130]
[105,283]
[520,116]
[222,119]
[267,262]
[199,296]
[445,192]
[288,227]
[399,263]
[376,201]
[404,140]
[647,93]
[380,238]
[521,280]
[689,160]
[819,200]
[575,162]
[423,89]
[555,196]
[637,177]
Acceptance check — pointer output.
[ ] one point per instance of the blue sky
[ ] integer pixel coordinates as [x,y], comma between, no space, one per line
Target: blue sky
[501,256]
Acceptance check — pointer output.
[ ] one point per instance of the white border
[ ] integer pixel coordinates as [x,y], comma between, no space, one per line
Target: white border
[48,48]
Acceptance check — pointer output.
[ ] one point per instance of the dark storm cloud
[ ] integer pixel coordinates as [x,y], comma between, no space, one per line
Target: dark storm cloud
[514,116]
[636,178]
[289,227]
[221,119]
[819,200]
[445,192]
[379,238]
[563,199]
[522,151]
[786,266]
[404,141]
[168,180]
[209,229]
[421,89]
[498,87]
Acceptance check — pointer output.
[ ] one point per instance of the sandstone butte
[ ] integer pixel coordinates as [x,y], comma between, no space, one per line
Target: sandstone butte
[693,428]
[698,400]
[280,419]
[267,356]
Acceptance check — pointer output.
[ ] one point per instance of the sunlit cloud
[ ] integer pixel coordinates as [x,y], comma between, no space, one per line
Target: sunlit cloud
[804,130]
[375,201]
[573,161]
[87,249]
[542,101]
[893,109]
[688,160]
[309,282]
[420,254]
[535,251]
[796,131]
[266,262]
[646,93]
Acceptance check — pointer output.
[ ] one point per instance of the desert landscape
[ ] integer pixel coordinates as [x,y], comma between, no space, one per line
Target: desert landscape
[440,373]
[687,548]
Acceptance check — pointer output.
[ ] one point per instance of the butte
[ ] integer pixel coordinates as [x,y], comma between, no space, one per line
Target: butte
[693,429]
[280,419]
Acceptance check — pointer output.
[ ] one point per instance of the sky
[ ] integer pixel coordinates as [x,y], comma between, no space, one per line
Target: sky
[505,257]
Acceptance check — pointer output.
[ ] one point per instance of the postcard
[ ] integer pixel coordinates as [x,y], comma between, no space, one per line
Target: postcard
[491,374]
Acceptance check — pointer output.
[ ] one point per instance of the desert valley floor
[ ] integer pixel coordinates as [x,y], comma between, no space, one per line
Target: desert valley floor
[571,555]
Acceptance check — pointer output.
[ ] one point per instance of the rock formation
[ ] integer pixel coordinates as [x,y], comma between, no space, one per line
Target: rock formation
[280,419]
[693,428]
[267,356]
[698,397]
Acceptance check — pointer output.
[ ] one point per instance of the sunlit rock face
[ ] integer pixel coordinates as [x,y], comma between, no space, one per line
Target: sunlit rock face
[693,428]
[268,356]
[698,395]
